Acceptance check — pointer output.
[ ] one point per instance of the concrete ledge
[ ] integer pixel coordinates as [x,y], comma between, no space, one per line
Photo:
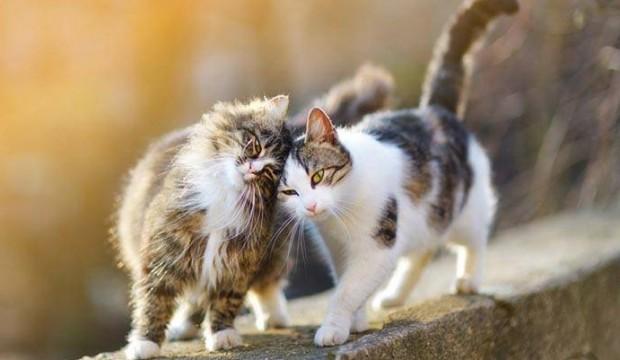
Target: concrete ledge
[552,291]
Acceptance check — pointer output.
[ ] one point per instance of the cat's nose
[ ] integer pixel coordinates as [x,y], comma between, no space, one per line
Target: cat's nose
[311,207]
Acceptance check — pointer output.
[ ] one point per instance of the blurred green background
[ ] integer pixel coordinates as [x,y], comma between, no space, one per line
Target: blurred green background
[84,86]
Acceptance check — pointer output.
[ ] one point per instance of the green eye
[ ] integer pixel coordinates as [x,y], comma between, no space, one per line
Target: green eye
[317,177]
[289,192]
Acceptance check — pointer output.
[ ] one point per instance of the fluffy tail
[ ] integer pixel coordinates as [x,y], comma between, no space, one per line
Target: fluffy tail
[446,75]
[346,103]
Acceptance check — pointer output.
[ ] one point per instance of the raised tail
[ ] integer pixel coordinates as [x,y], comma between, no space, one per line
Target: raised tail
[446,75]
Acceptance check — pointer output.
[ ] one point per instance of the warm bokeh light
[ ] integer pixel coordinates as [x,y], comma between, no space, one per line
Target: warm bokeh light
[84,86]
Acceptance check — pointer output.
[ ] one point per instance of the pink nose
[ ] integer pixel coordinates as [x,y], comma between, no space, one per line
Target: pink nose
[311,207]
[251,168]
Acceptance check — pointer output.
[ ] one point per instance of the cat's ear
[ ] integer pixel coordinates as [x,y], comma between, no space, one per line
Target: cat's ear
[278,105]
[319,127]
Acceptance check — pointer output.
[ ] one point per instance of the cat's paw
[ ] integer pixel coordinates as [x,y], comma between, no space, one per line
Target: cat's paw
[141,349]
[360,323]
[466,286]
[329,335]
[223,340]
[270,321]
[386,301]
[182,330]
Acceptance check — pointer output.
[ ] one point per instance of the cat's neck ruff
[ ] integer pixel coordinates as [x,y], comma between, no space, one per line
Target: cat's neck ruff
[212,187]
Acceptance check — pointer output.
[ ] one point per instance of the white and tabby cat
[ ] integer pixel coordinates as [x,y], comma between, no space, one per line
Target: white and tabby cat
[385,194]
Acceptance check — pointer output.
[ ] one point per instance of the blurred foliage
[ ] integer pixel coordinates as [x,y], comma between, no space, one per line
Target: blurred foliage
[84,86]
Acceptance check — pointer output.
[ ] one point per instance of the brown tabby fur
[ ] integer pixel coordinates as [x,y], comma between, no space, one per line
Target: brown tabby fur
[161,223]
[385,234]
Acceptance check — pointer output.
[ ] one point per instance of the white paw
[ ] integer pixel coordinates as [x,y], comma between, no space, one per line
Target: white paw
[466,286]
[141,349]
[329,335]
[360,323]
[223,340]
[386,301]
[270,321]
[181,330]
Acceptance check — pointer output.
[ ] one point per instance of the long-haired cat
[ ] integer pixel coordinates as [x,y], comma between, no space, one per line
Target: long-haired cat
[394,188]
[198,213]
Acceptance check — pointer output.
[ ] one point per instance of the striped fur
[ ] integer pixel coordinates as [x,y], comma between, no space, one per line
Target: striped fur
[197,216]
[445,79]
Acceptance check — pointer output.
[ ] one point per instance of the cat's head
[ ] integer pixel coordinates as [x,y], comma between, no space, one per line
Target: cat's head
[318,164]
[244,144]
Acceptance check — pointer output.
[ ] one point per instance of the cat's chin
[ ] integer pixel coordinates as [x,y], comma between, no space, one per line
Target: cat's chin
[250,178]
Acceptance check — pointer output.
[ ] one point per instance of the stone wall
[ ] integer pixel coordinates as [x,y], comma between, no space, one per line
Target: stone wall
[552,291]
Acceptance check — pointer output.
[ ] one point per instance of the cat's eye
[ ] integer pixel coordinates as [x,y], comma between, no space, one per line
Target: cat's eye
[289,192]
[317,177]
[253,148]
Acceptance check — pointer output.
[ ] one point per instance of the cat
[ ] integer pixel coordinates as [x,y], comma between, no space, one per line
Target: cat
[193,224]
[368,91]
[386,193]
[198,213]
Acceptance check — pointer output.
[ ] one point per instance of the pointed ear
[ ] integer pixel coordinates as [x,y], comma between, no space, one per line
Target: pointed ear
[278,105]
[319,127]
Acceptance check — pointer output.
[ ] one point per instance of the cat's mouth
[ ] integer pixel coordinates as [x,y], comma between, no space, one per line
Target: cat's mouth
[250,174]
[316,215]
[250,177]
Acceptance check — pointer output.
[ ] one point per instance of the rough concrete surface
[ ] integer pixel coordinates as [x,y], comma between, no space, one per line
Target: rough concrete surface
[552,291]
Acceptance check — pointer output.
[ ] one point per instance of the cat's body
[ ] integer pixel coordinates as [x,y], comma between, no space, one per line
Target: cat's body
[394,188]
[198,213]
[195,227]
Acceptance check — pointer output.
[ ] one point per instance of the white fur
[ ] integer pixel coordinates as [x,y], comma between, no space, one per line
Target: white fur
[347,214]
[278,106]
[360,321]
[219,184]
[141,348]
[181,327]
[408,271]
[269,307]
[222,340]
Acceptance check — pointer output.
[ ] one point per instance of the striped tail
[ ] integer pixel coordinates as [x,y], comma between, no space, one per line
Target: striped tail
[446,75]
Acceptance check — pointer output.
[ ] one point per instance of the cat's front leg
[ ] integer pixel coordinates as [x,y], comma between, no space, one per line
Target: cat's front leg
[219,331]
[154,298]
[367,269]
[360,321]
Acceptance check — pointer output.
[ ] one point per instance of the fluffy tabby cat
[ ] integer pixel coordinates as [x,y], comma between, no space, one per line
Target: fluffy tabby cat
[195,222]
[392,189]
[198,212]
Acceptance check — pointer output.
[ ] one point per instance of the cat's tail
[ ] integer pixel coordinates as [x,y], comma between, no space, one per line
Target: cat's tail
[446,75]
[346,103]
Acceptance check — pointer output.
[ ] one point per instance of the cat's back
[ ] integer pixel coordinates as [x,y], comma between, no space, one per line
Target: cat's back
[144,183]
[437,146]
[422,133]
